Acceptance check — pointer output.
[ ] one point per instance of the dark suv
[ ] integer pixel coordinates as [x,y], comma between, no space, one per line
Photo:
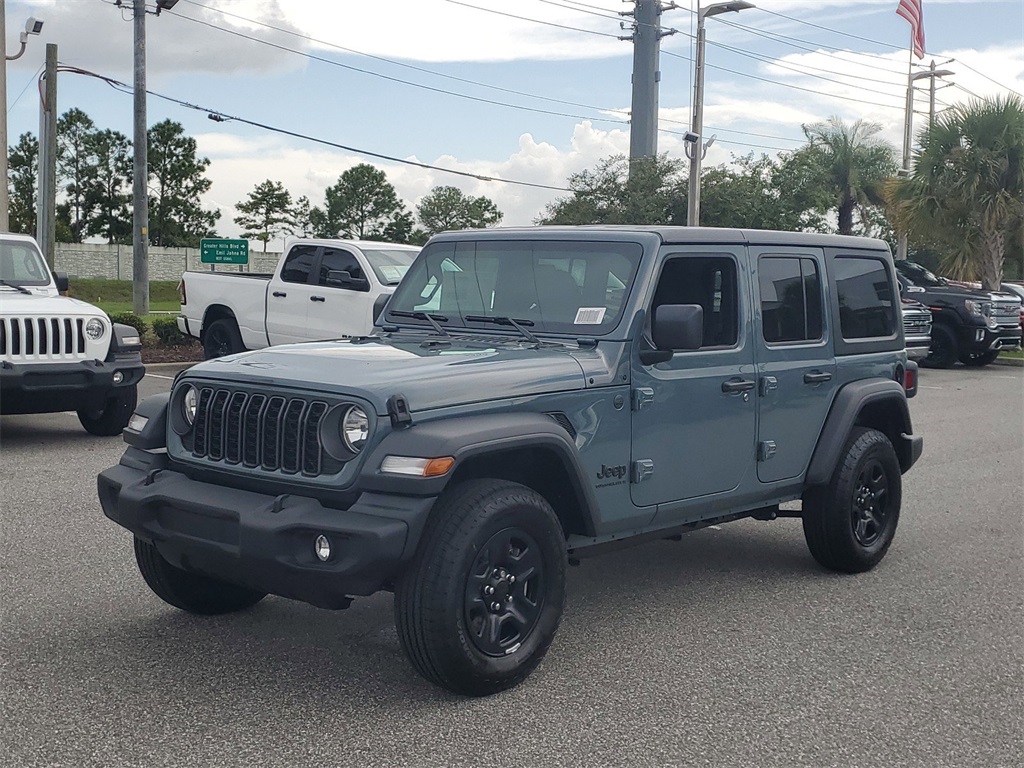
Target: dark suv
[968,324]
[531,396]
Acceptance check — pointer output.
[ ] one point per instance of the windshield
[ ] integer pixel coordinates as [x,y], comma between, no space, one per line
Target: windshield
[918,275]
[546,286]
[22,264]
[390,265]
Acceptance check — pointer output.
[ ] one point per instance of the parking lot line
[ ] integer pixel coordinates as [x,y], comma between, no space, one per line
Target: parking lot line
[158,376]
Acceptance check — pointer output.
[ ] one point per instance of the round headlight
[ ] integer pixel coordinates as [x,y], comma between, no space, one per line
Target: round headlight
[355,428]
[95,329]
[189,404]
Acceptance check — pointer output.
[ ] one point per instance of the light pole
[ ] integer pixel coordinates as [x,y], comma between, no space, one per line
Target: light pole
[696,150]
[908,132]
[140,190]
[32,27]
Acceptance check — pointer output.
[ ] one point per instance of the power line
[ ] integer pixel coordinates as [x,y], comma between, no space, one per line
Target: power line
[833,31]
[221,117]
[27,86]
[982,74]
[535,21]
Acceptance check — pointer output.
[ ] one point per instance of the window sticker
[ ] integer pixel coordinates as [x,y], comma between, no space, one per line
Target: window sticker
[589,315]
[393,272]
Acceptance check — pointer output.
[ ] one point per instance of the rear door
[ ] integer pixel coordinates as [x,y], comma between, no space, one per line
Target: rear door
[795,361]
[694,416]
[288,297]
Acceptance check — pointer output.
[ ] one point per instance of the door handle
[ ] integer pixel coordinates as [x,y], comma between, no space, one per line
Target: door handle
[737,385]
[817,377]
[279,294]
[317,298]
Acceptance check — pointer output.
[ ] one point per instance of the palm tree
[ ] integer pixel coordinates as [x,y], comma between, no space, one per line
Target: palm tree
[853,162]
[967,189]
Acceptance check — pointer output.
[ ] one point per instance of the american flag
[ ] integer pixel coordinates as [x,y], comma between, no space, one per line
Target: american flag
[911,11]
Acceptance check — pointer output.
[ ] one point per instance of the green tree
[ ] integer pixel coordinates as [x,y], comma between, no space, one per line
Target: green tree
[759,193]
[966,193]
[852,164]
[76,167]
[362,205]
[23,171]
[615,193]
[445,208]
[266,213]
[177,181]
[300,223]
[109,195]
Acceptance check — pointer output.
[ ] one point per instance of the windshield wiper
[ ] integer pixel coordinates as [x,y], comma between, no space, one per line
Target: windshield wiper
[499,320]
[16,287]
[432,319]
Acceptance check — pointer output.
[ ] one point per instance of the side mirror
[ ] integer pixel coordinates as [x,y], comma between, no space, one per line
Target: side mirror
[61,278]
[675,327]
[378,305]
[343,278]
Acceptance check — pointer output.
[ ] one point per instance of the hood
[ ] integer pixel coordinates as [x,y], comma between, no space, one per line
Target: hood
[17,303]
[430,375]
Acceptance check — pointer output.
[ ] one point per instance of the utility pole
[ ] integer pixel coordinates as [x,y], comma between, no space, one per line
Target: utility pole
[646,39]
[46,207]
[908,129]
[140,193]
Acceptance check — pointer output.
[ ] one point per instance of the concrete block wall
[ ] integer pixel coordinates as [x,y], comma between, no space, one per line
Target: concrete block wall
[114,262]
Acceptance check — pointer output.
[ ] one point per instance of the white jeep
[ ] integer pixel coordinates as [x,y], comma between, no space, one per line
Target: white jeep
[59,353]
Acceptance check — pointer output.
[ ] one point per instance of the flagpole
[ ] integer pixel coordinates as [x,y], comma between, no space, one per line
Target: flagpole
[908,119]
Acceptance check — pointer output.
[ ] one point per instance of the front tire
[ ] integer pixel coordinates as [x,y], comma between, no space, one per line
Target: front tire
[944,350]
[850,523]
[190,591]
[481,601]
[979,359]
[222,338]
[117,412]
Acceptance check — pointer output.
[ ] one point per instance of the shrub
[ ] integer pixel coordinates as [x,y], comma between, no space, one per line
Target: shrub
[166,330]
[130,318]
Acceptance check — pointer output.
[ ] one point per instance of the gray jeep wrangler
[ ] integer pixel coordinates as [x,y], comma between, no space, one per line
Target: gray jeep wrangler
[530,396]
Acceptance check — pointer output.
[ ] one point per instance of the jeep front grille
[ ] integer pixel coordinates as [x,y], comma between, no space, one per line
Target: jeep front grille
[270,432]
[42,338]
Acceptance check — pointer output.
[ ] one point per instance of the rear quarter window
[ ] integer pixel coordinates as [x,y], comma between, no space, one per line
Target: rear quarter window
[867,307]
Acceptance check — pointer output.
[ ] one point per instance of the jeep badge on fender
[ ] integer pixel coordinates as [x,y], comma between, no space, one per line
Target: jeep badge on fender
[759,368]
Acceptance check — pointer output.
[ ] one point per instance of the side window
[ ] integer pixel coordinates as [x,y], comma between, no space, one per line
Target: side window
[864,291]
[335,260]
[790,290]
[709,281]
[298,264]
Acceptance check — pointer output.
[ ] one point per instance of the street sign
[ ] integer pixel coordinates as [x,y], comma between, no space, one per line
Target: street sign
[223,251]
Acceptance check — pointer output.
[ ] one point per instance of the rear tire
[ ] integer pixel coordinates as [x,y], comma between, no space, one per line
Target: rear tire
[979,359]
[222,338]
[117,412]
[481,601]
[190,591]
[944,350]
[850,523]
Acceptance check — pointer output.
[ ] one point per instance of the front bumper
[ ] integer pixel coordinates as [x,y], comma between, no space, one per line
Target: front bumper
[985,338]
[81,385]
[261,541]
[917,347]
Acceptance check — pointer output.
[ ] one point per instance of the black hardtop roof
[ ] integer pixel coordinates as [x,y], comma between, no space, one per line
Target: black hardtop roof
[676,235]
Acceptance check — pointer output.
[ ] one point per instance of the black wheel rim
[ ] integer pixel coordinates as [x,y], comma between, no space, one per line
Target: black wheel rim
[219,342]
[504,592]
[870,509]
[940,350]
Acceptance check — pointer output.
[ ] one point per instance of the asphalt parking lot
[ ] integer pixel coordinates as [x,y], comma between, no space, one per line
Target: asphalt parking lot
[729,648]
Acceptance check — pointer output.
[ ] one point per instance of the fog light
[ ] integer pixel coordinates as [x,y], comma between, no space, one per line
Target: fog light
[137,423]
[322,547]
[118,377]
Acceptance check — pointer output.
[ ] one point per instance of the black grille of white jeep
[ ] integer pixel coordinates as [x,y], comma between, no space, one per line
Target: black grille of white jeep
[270,432]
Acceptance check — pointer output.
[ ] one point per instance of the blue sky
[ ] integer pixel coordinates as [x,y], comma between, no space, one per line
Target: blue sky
[791,62]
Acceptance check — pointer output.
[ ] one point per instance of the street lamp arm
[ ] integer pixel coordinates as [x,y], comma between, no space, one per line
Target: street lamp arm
[730,7]
[20,53]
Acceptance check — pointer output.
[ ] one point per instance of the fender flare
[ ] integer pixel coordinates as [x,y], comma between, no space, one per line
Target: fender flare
[469,437]
[847,407]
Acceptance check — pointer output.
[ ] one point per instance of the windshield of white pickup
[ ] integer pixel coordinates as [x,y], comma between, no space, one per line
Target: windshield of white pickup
[22,264]
[557,286]
[389,264]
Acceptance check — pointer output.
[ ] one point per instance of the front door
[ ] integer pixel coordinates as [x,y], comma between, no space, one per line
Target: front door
[694,416]
[795,364]
[340,308]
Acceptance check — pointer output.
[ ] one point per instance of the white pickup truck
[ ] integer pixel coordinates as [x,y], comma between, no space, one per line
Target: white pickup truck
[321,289]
